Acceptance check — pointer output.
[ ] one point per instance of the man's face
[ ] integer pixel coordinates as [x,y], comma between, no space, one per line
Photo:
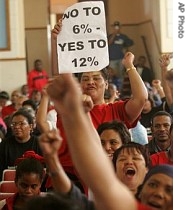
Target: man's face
[160,128]
[38,66]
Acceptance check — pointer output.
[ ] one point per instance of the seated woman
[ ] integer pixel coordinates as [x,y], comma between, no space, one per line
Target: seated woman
[20,141]
[157,188]
[28,180]
[113,135]
[131,162]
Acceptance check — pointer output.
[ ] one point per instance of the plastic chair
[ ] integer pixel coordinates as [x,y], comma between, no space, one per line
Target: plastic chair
[8,187]
[5,195]
[8,175]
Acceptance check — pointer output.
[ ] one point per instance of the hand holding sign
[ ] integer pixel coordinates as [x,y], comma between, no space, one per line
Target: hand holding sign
[82,43]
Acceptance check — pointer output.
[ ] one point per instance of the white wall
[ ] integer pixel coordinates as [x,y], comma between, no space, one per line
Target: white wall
[13,69]
[12,63]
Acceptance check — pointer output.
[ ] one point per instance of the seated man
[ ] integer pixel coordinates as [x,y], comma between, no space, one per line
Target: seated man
[160,127]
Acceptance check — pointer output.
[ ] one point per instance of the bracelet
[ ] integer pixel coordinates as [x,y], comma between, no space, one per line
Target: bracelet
[128,69]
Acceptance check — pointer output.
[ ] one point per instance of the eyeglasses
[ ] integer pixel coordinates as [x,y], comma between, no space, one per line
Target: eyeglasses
[20,124]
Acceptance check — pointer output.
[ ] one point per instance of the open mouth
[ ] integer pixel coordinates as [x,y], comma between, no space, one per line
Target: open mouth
[130,172]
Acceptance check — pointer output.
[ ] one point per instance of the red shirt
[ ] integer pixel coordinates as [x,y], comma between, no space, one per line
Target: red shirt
[99,114]
[141,206]
[7,110]
[160,158]
[36,80]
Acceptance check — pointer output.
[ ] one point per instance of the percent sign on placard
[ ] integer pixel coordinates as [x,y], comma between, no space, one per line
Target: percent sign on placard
[92,61]
[78,28]
[84,61]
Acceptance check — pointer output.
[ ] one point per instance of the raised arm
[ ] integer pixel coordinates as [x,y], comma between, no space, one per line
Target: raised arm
[157,84]
[139,92]
[88,156]
[41,116]
[54,34]
[164,62]
[50,143]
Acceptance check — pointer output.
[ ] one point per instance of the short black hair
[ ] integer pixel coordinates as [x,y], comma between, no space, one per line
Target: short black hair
[142,149]
[53,200]
[119,127]
[29,165]
[37,60]
[30,103]
[4,95]
[24,113]
[161,113]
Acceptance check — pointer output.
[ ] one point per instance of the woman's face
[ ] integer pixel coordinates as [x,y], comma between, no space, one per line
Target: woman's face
[28,185]
[131,168]
[21,128]
[157,192]
[111,141]
[93,84]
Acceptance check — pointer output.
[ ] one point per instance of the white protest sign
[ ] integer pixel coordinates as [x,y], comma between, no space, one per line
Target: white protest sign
[82,43]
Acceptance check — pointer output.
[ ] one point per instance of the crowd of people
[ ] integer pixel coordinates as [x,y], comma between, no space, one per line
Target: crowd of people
[99,149]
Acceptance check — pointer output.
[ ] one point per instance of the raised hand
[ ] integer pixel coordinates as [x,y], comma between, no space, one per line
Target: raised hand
[57,28]
[156,83]
[66,94]
[128,60]
[50,143]
[164,60]
[87,103]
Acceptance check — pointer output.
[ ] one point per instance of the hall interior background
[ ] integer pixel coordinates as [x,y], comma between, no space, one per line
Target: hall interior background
[29,22]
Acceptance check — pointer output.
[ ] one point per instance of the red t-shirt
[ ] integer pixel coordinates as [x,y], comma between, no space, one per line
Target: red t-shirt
[7,110]
[141,206]
[36,80]
[99,114]
[160,158]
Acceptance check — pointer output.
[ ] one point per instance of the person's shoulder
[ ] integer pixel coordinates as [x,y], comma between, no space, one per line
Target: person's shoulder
[10,106]
[158,154]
